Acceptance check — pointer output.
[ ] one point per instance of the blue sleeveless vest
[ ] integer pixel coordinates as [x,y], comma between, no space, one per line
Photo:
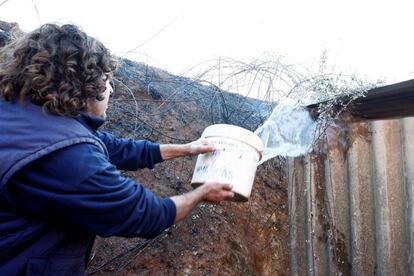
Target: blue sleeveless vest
[26,134]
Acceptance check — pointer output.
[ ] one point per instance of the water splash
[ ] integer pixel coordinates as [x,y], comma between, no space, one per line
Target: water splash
[289,131]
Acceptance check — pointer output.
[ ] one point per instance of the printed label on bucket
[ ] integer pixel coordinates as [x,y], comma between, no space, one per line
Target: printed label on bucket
[233,162]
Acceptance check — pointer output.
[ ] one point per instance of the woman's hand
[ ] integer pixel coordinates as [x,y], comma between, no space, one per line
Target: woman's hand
[213,192]
[199,146]
[170,151]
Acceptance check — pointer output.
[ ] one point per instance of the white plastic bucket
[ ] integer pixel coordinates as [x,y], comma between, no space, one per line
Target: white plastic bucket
[238,151]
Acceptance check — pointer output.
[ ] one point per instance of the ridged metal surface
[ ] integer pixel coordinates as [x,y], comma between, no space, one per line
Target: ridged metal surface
[351,202]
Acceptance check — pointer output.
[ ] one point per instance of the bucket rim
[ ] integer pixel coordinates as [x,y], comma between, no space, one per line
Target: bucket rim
[237,133]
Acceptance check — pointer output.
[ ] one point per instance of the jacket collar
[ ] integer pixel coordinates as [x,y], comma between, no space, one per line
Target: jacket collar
[90,121]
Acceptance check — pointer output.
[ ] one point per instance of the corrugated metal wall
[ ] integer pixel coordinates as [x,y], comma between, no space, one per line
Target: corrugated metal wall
[351,203]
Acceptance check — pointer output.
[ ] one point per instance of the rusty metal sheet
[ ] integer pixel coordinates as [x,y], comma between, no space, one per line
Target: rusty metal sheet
[297,231]
[389,197]
[351,203]
[361,195]
[408,155]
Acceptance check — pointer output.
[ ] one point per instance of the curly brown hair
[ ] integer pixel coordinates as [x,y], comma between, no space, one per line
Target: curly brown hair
[58,67]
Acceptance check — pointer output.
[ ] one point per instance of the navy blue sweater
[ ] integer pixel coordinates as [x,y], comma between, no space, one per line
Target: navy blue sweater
[61,200]
[77,184]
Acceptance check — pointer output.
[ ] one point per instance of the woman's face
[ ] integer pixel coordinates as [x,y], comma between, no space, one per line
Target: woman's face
[98,108]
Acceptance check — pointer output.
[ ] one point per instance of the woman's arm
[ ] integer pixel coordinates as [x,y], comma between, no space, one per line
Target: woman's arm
[90,194]
[129,154]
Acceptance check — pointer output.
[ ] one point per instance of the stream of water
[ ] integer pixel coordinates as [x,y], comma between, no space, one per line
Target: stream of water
[289,131]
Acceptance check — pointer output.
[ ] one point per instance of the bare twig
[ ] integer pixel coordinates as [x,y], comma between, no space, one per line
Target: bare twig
[4,2]
[151,37]
[37,12]
[135,101]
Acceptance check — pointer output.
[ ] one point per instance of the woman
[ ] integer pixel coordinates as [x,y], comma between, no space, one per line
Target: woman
[60,183]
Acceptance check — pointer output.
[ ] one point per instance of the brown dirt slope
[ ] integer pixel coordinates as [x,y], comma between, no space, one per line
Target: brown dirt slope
[226,239]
